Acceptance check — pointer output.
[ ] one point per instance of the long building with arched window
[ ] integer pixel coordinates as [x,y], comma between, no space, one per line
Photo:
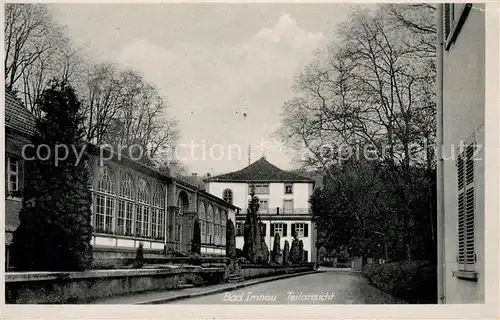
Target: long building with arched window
[131,203]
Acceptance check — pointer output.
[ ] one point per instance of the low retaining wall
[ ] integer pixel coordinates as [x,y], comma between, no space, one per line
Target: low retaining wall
[249,271]
[122,258]
[87,286]
[80,287]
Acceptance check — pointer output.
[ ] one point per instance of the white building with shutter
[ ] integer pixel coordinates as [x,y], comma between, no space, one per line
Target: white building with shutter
[461,117]
[284,202]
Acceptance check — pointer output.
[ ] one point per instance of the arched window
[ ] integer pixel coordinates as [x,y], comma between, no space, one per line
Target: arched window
[182,203]
[105,201]
[143,211]
[227,195]
[218,227]
[106,182]
[210,224]
[202,217]
[158,216]
[125,205]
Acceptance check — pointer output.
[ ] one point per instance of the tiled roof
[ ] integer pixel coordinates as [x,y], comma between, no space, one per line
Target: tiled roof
[17,116]
[260,171]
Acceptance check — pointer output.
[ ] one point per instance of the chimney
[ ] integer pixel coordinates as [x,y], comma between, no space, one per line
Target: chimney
[194,174]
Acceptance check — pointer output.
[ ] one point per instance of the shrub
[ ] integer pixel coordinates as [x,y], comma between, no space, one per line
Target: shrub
[412,281]
[139,257]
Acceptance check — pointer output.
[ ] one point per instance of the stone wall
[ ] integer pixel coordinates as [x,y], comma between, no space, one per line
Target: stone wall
[84,287]
[88,286]
[249,271]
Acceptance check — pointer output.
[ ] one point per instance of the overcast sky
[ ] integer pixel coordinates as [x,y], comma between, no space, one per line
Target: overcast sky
[213,63]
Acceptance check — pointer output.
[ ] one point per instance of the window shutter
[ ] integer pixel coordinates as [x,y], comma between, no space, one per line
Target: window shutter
[447,17]
[272,229]
[306,230]
[461,231]
[263,228]
[461,212]
[284,229]
[293,229]
[470,258]
[466,257]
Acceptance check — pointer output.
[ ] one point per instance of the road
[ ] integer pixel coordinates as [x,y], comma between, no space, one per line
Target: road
[330,287]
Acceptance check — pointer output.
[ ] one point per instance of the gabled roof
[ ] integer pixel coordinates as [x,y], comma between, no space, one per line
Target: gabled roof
[260,171]
[17,117]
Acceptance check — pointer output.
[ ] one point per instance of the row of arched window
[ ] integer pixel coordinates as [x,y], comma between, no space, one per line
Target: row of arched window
[131,209]
[136,209]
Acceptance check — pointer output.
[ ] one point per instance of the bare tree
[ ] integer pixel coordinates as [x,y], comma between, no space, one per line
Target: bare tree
[36,51]
[372,90]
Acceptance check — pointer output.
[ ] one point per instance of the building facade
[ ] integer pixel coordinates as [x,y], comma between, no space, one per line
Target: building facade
[461,228]
[131,203]
[283,198]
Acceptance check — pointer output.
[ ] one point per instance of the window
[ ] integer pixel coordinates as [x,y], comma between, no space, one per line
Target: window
[301,229]
[288,206]
[455,15]
[263,206]
[203,222]
[12,174]
[259,188]
[239,229]
[125,206]
[105,201]
[466,215]
[210,224]
[288,188]
[218,227]
[227,195]
[143,211]
[278,228]
[158,214]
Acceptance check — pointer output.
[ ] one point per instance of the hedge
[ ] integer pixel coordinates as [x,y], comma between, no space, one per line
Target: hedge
[412,281]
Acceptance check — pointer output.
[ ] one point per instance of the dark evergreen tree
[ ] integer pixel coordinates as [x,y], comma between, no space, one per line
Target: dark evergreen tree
[276,249]
[286,253]
[196,243]
[139,256]
[55,220]
[301,251]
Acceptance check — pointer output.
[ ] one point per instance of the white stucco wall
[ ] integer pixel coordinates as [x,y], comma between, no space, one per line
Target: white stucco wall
[276,196]
[464,108]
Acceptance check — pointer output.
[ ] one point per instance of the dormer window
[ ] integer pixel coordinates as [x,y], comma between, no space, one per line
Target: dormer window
[288,188]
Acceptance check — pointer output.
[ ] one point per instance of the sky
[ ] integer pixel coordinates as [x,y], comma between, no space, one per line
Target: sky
[225,69]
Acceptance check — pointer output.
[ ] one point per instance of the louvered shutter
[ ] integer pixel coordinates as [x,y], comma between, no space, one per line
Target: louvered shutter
[447,18]
[293,229]
[284,229]
[306,230]
[470,257]
[466,257]
[272,229]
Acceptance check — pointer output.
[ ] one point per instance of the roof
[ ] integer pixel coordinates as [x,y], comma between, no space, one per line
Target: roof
[17,117]
[260,171]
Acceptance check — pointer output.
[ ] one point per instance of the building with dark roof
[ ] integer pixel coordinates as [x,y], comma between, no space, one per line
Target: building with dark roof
[132,203]
[283,198]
